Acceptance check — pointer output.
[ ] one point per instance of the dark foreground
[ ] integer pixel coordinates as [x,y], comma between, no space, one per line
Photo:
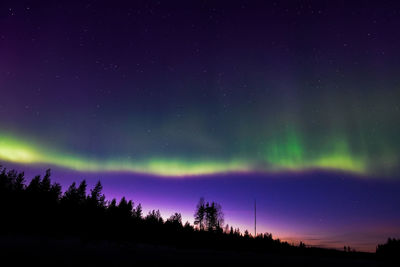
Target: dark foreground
[42,226]
[23,250]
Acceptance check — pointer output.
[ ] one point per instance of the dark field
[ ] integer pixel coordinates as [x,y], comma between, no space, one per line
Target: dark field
[61,251]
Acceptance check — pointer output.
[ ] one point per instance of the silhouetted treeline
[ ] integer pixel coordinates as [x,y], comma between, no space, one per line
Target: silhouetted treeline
[389,250]
[41,207]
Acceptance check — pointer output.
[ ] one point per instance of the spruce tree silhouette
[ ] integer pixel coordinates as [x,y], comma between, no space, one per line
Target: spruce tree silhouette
[138,212]
[96,200]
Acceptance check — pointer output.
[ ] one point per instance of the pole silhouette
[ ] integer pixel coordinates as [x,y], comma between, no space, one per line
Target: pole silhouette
[255,218]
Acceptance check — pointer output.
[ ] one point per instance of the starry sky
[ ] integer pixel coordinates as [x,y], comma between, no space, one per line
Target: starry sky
[295,103]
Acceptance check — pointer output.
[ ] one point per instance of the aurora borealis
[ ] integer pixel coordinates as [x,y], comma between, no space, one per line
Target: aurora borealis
[202,91]
[280,157]
[368,151]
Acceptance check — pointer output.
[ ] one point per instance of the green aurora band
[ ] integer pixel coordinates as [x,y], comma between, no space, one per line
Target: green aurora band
[283,154]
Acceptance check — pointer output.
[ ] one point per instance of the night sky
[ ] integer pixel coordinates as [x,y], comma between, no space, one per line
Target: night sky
[293,103]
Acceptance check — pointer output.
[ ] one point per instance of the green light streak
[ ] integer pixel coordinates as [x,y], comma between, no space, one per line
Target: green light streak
[14,151]
[11,150]
[287,153]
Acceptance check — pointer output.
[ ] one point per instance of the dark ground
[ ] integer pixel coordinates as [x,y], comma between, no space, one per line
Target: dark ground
[18,250]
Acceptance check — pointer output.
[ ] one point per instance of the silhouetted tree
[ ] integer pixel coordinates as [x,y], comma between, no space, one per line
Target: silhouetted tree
[267,236]
[220,216]
[175,219]
[34,185]
[154,217]
[45,183]
[199,216]
[389,250]
[112,208]
[226,229]
[70,195]
[81,192]
[55,192]
[214,216]
[138,211]
[188,226]
[96,199]
[246,234]
[125,208]
[20,182]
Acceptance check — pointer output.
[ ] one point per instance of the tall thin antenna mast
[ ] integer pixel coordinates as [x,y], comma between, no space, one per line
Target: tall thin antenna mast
[255,218]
